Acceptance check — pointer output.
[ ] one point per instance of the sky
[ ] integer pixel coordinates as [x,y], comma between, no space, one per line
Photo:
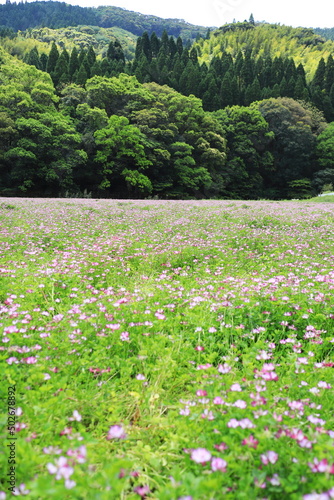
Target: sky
[306,13]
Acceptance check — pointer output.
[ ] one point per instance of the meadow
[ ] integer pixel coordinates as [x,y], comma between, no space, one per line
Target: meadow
[166,349]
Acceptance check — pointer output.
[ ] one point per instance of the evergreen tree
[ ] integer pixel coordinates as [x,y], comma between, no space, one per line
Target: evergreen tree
[73,65]
[291,87]
[179,45]
[193,56]
[290,70]
[53,58]
[298,92]
[283,88]
[226,91]
[91,56]
[155,45]
[61,71]
[266,77]
[82,76]
[301,72]
[172,47]
[253,92]
[247,70]
[329,73]
[33,58]
[277,71]
[227,64]
[43,61]
[319,77]
[146,46]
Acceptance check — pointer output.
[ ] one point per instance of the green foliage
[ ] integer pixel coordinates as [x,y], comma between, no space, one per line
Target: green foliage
[119,149]
[55,15]
[267,40]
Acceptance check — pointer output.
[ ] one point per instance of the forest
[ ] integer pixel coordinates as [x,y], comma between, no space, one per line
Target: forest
[226,116]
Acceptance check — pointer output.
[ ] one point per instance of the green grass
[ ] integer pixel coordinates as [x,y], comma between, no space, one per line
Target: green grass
[187,327]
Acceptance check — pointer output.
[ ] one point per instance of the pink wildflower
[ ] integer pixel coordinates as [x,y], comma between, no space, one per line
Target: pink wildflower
[142,490]
[218,464]
[76,416]
[116,432]
[270,457]
[200,455]
[250,441]
[61,469]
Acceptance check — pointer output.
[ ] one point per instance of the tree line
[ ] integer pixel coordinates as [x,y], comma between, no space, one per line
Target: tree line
[117,137]
[21,16]
[226,82]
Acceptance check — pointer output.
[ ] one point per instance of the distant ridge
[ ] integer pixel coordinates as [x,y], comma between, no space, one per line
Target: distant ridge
[51,14]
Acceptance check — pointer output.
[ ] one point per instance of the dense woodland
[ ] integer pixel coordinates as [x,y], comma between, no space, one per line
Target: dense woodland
[22,16]
[221,118]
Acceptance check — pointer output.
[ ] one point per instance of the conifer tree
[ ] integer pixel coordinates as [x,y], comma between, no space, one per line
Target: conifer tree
[226,91]
[155,45]
[329,73]
[319,77]
[82,76]
[73,65]
[53,58]
[33,58]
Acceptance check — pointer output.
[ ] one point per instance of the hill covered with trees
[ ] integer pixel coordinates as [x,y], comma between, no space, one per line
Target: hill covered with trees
[116,137]
[238,114]
[22,16]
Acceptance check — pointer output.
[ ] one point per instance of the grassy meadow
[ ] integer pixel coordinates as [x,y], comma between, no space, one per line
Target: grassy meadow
[166,349]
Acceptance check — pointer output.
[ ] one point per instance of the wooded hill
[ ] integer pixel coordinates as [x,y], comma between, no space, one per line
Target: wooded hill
[261,41]
[229,117]
[22,16]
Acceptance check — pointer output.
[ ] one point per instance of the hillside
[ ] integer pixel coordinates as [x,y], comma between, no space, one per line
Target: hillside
[81,37]
[263,40]
[327,33]
[23,16]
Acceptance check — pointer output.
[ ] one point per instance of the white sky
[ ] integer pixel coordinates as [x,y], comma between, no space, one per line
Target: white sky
[306,13]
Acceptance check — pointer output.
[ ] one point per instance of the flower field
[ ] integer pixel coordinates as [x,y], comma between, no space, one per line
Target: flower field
[166,349]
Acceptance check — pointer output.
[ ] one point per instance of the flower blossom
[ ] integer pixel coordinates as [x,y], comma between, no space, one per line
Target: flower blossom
[200,455]
[270,457]
[218,464]
[116,432]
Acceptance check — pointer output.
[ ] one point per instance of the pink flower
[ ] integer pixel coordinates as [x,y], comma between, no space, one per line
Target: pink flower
[125,336]
[79,454]
[116,432]
[142,490]
[275,481]
[236,388]
[250,441]
[245,423]
[233,423]
[69,484]
[114,326]
[324,385]
[76,416]
[221,446]
[270,457]
[200,455]
[240,404]
[159,315]
[218,464]
[61,469]
[21,490]
[201,392]
[225,368]
[319,465]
